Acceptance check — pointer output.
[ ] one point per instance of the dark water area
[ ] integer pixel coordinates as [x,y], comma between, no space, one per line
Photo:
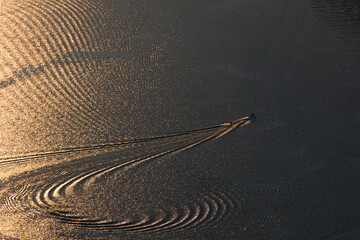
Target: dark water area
[131,119]
[337,13]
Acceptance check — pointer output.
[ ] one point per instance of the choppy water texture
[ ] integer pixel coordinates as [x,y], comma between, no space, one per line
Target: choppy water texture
[92,92]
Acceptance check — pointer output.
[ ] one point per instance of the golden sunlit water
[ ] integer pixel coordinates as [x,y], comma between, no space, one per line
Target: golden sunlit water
[73,189]
[117,119]
[51,51]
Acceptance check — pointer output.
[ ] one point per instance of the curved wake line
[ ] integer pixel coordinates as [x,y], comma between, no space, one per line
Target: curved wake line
[57,198]
[208,209]
[222,128]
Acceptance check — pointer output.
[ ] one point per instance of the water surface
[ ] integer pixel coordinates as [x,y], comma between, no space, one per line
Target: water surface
[116,116]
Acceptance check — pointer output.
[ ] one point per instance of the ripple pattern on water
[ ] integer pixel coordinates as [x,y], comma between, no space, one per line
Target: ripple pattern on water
[56,196]
[204,210]
[45,47]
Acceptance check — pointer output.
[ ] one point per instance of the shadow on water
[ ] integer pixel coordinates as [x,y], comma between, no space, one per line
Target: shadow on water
[70,58]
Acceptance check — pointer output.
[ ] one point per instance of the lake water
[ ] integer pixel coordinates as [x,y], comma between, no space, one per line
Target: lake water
[131,119]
